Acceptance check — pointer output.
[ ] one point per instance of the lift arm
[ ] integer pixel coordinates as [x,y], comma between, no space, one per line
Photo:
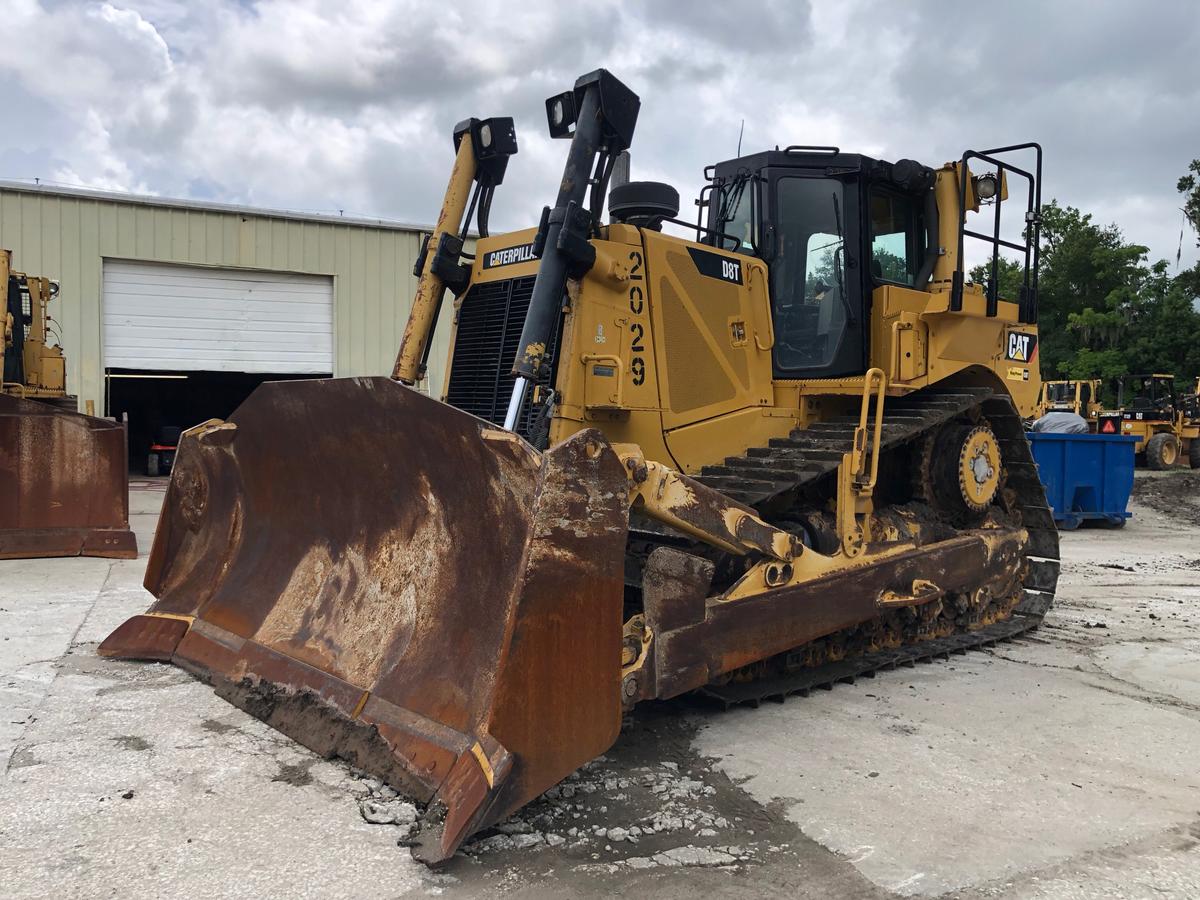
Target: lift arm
[483,148]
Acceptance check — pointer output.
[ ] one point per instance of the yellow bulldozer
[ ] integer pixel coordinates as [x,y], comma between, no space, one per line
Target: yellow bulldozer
[1079,397]
[64,483]
[773,454]
[1166,423]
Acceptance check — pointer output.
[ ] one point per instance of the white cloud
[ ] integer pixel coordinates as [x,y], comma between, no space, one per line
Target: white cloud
[100,166]
[311,105]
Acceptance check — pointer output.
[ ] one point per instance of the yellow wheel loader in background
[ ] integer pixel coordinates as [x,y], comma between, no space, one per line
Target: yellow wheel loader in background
[771,458]
[1166,424]
[64,477]
[1190,425]
[1079,397]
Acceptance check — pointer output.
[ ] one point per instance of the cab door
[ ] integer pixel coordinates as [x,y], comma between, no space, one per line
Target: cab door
[817,295]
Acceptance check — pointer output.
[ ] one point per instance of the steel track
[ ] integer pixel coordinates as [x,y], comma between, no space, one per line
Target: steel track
[810,455]
[824,677]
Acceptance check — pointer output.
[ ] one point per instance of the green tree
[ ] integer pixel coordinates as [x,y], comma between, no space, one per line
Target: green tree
[1104,311]
[1189,186]
[1164,328]
[1090,276]
[892,267]
[1012,275]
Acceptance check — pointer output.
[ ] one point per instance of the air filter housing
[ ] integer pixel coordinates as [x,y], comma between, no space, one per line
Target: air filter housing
[643,203]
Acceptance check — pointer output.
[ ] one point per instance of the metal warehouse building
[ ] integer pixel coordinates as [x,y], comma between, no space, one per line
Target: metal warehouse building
[171,311]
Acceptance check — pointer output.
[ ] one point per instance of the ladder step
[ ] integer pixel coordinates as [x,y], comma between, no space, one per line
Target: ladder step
[729,482]
[798,454]
[803,441]
[764,472]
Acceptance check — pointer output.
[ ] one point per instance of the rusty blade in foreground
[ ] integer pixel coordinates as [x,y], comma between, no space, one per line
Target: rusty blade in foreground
[396,583]
[64,483]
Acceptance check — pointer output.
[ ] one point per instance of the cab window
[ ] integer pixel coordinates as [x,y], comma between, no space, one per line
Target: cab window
[1059,392]
[894,244]
[736,217]
[808,275]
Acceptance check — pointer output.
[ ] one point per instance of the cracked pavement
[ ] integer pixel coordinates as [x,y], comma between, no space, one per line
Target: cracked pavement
[1059,765]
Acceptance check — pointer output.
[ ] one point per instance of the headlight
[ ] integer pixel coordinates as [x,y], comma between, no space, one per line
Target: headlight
[560,114]
[485,135]
[985,186]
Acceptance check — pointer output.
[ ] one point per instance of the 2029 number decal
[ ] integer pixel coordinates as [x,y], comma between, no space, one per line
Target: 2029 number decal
[637,305]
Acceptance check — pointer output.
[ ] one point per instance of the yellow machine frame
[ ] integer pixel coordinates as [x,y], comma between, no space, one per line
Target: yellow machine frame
[1184,428]
[622,367]
[44,365]
[1088,410]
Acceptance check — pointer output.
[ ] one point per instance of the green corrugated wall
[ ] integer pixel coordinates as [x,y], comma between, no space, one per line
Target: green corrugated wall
[67,237]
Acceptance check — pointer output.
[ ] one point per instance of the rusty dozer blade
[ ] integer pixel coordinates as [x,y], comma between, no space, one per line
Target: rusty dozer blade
[394,582]
[64,483]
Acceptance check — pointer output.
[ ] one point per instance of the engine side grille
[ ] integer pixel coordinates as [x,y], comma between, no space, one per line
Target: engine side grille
[485,345]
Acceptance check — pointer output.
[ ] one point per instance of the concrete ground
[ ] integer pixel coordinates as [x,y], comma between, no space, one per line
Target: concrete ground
[1062,765]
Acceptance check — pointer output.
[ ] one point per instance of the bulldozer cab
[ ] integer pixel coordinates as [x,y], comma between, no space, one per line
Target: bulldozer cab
[785,208]
[1147,397]
[834,228]
[1079,397]
[33,365]
[1191,404]
[1060,395]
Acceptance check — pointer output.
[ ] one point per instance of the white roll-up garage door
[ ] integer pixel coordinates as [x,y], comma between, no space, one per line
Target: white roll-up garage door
[168,317]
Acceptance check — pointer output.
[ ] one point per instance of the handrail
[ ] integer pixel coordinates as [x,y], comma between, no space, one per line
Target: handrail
[873,376]
[1027,303]
[855,486]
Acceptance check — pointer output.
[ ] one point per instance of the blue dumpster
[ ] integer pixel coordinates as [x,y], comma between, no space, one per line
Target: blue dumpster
[1087,476]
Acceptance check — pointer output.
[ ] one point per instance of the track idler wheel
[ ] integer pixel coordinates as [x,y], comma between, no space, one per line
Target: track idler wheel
[961,470]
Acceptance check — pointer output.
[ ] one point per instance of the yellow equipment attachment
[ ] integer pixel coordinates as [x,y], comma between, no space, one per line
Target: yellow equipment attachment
[777,456]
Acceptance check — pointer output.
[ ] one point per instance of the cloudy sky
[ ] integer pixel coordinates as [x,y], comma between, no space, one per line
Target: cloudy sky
[349,104]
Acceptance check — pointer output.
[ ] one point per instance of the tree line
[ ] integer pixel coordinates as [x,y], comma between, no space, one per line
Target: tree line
[1104,309]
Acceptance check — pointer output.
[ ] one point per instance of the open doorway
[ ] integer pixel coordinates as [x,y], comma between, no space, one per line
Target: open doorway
[160,404]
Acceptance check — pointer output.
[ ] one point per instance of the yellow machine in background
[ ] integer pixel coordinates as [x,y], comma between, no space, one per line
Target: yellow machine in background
[1166,424]
[1079,397]
[33,367]
[64,483]
[780,454]
[1191,425]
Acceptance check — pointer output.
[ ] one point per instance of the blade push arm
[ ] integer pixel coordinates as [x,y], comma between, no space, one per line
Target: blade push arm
[689,506]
